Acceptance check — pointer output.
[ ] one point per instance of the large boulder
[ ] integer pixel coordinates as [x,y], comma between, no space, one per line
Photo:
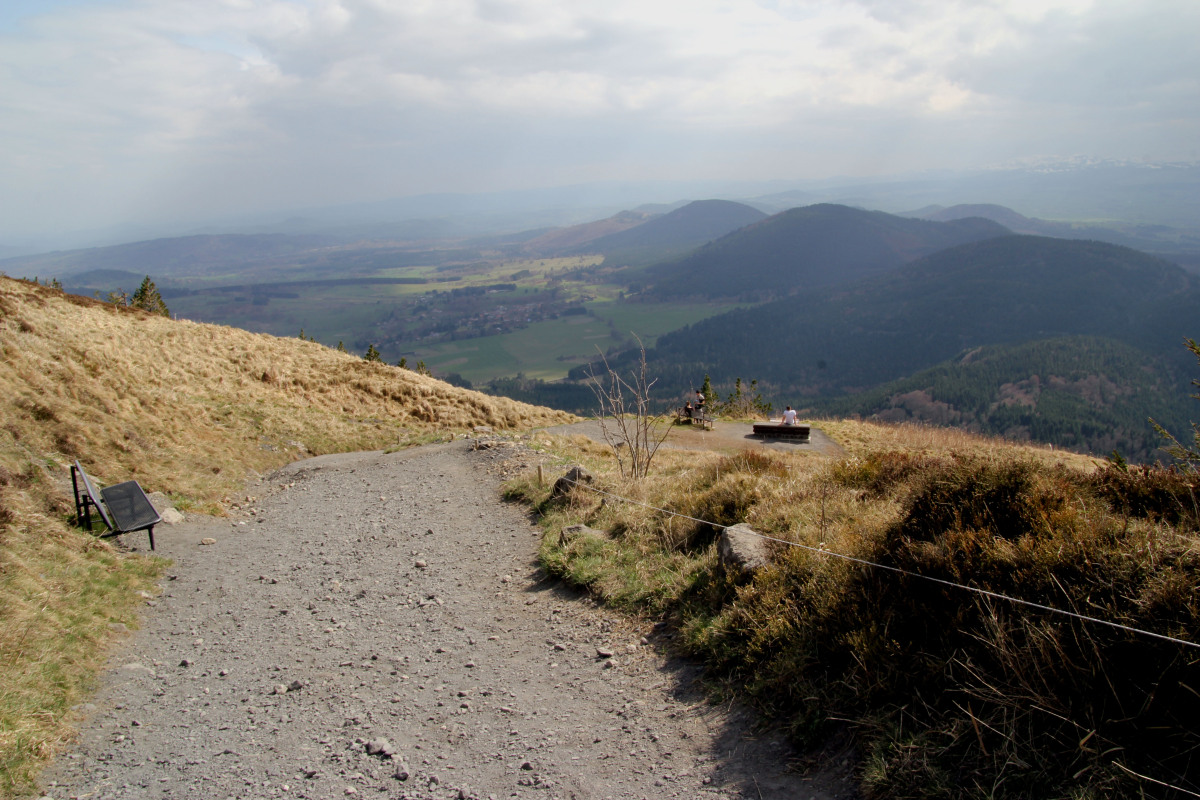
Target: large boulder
[742,550]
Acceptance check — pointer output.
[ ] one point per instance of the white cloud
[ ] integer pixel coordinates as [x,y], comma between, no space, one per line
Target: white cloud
[118,107]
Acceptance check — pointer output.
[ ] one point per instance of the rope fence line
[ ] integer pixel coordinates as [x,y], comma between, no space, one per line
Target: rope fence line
[904,572]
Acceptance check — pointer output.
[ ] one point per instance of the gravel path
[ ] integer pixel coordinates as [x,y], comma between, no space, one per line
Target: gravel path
[375,625]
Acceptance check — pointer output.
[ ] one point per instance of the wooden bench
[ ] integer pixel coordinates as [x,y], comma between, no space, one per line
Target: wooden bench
[777,430]
[123,507]
[697,417]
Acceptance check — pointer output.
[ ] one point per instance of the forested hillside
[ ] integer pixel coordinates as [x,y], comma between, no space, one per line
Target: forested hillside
[811,247]
[1005,290]
[1084,393]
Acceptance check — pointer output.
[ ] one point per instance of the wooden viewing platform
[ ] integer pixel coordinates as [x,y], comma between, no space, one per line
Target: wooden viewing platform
[777,430]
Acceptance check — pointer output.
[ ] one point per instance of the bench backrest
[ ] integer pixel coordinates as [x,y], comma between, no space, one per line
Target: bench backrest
[93,496]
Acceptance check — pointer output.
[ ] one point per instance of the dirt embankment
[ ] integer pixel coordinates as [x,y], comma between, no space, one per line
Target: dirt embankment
[375,625]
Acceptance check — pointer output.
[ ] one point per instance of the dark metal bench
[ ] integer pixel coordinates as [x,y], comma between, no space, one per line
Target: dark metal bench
[123,507]
[777,430]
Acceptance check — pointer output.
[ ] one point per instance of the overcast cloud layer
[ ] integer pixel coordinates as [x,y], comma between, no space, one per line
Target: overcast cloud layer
[126,110]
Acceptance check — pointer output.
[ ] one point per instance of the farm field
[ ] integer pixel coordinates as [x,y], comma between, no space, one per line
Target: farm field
[352,307]
[548,350]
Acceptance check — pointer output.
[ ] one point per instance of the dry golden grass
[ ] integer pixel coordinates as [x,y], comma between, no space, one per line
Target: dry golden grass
[945,693]
[185,408]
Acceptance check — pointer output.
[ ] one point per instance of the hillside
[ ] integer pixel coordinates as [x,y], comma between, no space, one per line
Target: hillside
[1083,393]
[188,409]
[680,230]
[1003,290]
[808,248]
[569,238]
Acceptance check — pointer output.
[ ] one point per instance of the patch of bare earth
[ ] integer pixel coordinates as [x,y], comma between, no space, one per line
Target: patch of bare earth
[376,625]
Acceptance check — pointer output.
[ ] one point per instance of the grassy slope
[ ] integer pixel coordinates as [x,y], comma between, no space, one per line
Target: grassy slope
[185,408]
[939,692]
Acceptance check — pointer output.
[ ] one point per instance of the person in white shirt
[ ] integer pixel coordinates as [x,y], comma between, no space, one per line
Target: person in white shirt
[789,416]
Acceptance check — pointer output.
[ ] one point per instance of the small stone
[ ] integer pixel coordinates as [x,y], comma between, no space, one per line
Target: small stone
[526,765]
[559,646]
[604,652]
[401,773]
[208,540]
[380,747]
[419,564]
[187,662]
[295,686]
[279,689]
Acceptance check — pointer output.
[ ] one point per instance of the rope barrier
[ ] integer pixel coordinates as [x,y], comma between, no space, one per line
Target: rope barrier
[899,571]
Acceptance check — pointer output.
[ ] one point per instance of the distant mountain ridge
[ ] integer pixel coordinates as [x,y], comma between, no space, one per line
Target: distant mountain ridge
[166,258]
[1164,240]
[810,247]
[684,228]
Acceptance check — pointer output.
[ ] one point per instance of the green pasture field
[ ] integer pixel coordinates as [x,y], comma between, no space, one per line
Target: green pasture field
[330,314]
[548,350]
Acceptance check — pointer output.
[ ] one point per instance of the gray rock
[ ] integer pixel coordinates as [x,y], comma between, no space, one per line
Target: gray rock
[160,501]
[380,747]
[575,475]
[573,532]
[170,516]
[741,550]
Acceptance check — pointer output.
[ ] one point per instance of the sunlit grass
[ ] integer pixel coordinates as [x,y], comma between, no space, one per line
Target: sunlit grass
[188,409]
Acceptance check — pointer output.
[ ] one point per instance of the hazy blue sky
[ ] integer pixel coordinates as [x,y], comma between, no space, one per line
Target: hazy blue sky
[118,111]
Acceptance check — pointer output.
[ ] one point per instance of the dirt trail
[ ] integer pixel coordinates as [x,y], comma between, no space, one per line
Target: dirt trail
[370,597]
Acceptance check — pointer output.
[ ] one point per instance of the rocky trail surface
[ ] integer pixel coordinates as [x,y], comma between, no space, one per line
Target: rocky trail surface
[375,625]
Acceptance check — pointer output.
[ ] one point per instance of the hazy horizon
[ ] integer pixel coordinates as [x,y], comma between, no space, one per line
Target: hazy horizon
[129,113]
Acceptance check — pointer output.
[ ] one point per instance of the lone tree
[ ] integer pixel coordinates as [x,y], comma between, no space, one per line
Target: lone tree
[372,354]
[147,298]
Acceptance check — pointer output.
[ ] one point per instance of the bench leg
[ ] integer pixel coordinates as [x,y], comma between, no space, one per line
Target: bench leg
[150,531]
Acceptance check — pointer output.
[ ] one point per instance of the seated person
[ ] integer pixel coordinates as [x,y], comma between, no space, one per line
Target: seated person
[789,416]
[687,409]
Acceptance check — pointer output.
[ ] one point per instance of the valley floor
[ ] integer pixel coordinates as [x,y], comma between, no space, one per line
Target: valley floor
[368,597]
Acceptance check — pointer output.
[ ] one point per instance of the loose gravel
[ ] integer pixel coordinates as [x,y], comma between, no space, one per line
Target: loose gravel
[376,625]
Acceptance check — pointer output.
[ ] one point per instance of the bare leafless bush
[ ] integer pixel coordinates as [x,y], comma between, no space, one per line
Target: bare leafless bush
[626,421]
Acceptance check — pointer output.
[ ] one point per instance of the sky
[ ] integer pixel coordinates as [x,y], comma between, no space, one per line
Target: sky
[138,111]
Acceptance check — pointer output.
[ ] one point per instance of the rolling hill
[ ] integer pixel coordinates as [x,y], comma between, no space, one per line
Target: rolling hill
[570,238]
[810,247]
[1005,290]
[676,232]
